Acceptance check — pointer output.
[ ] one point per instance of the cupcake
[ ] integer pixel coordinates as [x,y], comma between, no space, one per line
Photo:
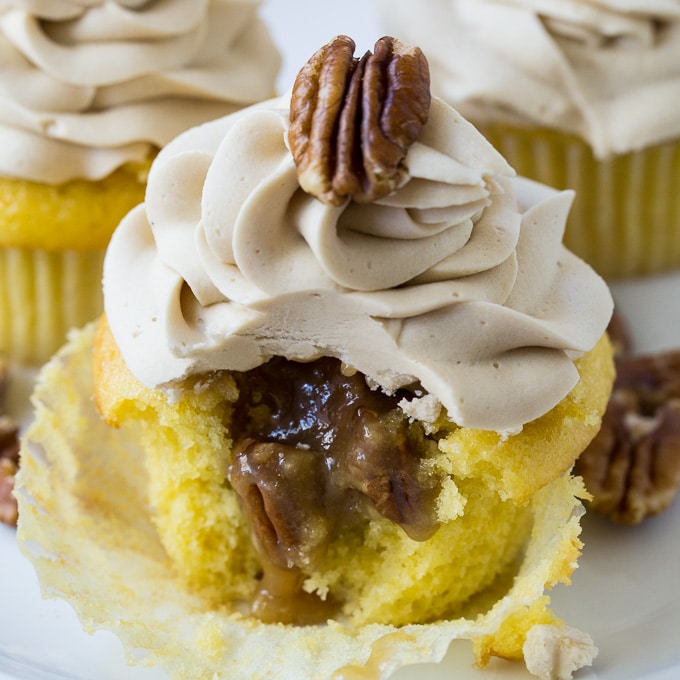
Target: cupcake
[327,423]
[90,92]
[578,95]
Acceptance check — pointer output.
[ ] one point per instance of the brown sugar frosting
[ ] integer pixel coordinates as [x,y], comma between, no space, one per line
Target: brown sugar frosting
[225,279]
[88,87]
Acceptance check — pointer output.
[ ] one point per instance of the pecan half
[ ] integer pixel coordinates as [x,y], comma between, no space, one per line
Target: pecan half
[632,467]
[353,120]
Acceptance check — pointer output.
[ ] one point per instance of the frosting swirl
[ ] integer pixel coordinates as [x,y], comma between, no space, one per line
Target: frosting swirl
[446,283]
[87,85]
[605,70]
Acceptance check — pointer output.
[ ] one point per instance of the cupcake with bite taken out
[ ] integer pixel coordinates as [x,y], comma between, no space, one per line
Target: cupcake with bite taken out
[345,368]
[90,92]
[580,95]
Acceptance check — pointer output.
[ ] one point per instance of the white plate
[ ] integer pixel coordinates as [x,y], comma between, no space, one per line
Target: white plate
[625,593]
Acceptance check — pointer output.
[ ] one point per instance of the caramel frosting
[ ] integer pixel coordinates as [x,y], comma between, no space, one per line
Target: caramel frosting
[86,86]
[456,284]
[605,70]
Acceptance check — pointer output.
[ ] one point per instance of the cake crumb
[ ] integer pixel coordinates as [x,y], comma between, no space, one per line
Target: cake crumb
[553,653]
[425,409]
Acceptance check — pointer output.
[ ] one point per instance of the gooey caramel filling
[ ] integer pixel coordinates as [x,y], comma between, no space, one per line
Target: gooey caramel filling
[317,451]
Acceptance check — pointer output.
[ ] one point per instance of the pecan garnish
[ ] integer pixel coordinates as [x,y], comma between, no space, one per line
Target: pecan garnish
[353,120]
[632,467]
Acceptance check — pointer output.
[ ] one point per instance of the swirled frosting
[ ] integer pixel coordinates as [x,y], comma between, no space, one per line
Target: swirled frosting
[448,283]
[605,70]
[87,85]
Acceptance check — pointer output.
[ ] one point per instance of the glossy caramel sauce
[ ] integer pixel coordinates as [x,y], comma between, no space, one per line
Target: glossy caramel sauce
[317,450]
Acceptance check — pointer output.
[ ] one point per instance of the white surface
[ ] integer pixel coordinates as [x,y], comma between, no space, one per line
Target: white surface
[626,592]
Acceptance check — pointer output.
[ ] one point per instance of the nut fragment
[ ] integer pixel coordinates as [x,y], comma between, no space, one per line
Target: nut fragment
[9,465]
[353,120]
[381,464]
[9,456]
[281,487]
[632,467]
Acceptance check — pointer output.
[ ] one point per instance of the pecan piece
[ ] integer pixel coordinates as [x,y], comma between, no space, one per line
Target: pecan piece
[632,467]
[381,463]
[353,120]
[281,489]
[9,455]
[9,466]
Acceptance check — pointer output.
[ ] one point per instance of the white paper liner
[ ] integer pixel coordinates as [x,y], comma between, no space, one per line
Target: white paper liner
[85,525]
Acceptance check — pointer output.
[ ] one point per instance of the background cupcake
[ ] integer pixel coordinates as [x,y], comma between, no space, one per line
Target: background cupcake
[89,93]
[577,94]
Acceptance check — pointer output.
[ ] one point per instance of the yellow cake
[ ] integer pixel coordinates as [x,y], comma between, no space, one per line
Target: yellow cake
[582,98]
[380,573]
[84,118]
[327,423]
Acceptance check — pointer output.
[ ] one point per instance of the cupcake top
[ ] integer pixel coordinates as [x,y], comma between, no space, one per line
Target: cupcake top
[605,70]
[435,270]
[88,86]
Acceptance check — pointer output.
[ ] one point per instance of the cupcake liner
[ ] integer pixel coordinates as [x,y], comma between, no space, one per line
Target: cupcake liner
[42,295]
[625,220]
[83,493]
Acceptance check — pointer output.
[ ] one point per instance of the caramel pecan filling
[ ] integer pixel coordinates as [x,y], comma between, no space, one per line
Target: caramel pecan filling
[317,452]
